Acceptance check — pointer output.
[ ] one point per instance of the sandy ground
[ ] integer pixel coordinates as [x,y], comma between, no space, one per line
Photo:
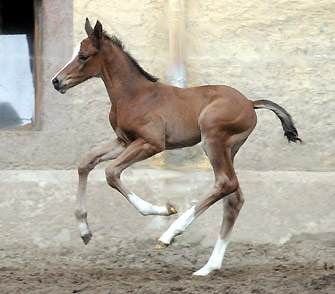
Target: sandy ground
[305,264]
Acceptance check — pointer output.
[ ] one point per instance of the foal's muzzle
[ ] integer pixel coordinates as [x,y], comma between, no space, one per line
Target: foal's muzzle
[58,85]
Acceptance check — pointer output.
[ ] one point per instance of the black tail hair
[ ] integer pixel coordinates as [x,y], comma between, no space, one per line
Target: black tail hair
[286,120]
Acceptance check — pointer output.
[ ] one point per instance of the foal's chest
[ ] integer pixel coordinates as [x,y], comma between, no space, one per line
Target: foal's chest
[122,130]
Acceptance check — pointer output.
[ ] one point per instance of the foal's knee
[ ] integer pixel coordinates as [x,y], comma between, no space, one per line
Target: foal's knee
[85,165]
[83,170]
[112,176]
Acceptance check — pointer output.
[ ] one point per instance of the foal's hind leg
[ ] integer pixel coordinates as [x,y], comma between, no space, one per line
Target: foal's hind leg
[226,183]
[232,205]
[106,152]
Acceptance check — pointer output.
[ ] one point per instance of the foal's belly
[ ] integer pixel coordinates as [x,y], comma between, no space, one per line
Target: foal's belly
[180,137]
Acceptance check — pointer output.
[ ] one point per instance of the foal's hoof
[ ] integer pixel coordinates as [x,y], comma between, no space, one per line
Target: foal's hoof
[171,209]
[87,237]
[161,245]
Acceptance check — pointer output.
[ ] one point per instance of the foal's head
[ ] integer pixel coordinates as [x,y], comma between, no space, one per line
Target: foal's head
[85,63]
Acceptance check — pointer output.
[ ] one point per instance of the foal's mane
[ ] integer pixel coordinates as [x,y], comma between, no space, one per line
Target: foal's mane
[119,44]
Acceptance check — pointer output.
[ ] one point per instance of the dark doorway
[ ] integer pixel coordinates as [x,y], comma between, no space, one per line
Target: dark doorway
[18,32]
[17,17]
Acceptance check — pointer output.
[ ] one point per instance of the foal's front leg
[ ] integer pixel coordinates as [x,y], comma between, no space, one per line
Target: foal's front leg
[138,150]
[106,152]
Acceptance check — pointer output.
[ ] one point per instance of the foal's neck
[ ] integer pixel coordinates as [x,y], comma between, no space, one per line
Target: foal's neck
[121,77]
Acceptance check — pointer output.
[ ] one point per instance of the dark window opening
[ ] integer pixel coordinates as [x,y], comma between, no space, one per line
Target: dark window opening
[17,59]
[18,18]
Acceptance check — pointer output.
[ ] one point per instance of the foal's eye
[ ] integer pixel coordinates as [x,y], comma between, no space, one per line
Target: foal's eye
[83,58]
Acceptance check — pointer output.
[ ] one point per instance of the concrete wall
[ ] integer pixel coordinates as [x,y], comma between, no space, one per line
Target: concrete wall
[37,207]
[278,50]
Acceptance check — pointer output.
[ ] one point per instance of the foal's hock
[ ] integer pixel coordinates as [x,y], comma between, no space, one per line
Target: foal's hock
[149,117]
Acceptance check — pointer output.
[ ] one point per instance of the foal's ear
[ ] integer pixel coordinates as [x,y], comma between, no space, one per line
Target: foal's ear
[98,30]
[88,27]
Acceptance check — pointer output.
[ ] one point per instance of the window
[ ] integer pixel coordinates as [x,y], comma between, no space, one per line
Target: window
[18,70]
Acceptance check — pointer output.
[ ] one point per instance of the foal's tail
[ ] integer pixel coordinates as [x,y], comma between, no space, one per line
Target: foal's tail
[286,120]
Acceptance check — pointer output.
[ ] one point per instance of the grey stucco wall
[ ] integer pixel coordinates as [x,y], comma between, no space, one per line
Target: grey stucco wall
[278,50]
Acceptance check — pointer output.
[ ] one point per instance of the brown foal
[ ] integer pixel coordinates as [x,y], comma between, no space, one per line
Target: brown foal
[149,117]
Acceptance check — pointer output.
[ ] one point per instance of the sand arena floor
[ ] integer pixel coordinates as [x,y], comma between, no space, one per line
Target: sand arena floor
[303,265]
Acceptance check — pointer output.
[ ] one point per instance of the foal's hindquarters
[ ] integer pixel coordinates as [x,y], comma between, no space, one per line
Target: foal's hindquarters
[225,124]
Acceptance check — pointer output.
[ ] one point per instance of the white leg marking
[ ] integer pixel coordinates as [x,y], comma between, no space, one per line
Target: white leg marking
[215,261]
[145,207]
[74,54]
[83,227]
[179,226]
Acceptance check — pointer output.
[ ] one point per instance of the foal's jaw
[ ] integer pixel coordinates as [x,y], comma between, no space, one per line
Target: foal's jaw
[63,82]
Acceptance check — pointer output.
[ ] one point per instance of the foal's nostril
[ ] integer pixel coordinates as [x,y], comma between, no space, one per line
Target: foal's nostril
[55,82]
